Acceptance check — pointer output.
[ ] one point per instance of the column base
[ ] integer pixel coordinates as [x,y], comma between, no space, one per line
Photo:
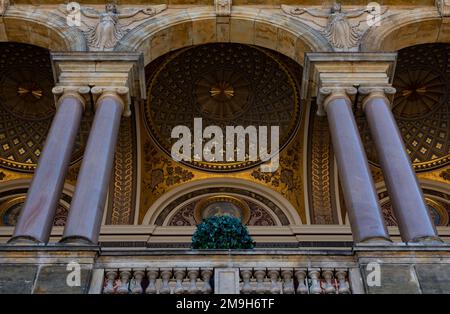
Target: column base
[376,241]
[428,240]
[76,241]
[24,240]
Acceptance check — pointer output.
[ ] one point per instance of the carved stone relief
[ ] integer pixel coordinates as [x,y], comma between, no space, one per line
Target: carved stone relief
[343,29]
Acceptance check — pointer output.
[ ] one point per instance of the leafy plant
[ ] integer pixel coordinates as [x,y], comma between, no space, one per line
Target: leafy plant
[222,232]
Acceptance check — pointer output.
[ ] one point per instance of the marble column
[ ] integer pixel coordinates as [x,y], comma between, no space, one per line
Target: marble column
[360,196]
[85,215]
[406,196]
[36,217]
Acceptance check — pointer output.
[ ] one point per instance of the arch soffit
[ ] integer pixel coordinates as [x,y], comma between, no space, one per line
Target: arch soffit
[414,27]
[174,29]
[42,29]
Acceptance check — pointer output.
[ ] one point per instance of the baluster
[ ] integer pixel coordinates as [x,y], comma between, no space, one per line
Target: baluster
[344,287]
[327,274]
[206,276]
[260,274]
[314,274]
[246,274]
[179,276]
[302,288]
[152,275]
[273,275]
[125,275]
[111,276]
[166,274]
[288,283]
[136,282]
[193,275]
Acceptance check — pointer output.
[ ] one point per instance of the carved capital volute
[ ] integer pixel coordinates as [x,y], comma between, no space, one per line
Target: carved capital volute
[81,93]
[371,92]
[117,74]
[328,94]
[120,94]
[326,75]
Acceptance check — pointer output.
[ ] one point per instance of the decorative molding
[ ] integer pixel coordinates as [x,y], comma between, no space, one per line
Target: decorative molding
[123,185]
[320,172]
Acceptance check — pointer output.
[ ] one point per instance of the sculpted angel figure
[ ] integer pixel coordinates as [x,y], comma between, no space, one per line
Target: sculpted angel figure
[108,31]
[339,31]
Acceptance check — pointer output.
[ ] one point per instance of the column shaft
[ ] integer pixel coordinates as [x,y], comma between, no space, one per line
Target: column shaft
[361,199]
[406,195]
[85,215]
[36,218]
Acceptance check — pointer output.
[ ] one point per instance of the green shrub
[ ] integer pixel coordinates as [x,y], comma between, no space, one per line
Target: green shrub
[222,232]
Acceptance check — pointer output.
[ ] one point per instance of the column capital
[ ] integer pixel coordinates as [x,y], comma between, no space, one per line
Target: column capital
[385,92]
[328,94]
[117,73]
[345,71]
[121,94]
[81,93]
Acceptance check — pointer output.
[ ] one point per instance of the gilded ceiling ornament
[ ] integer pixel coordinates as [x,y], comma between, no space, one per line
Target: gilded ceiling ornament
[27,106]
[224,85]
[104,29]
[343,29]
[421,106]
[445,175]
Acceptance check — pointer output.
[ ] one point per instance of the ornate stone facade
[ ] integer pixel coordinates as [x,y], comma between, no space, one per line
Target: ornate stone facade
[90,93]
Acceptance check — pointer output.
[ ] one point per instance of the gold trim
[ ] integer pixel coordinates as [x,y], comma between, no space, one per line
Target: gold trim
[441,210]
[8,204]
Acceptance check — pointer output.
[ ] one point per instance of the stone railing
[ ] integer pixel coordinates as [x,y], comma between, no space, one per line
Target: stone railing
[294,281]
[158,281]
[155,280]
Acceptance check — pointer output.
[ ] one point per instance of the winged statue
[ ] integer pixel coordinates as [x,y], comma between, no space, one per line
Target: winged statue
[342,28]
[108,28]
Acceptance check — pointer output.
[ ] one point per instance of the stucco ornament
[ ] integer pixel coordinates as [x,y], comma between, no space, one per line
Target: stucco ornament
[443,7]
[223,7]
[4,4]
[343,29]
[104,29]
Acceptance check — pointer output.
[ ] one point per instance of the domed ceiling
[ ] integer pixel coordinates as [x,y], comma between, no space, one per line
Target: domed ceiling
[27,106]
[421,106]
[225,85]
